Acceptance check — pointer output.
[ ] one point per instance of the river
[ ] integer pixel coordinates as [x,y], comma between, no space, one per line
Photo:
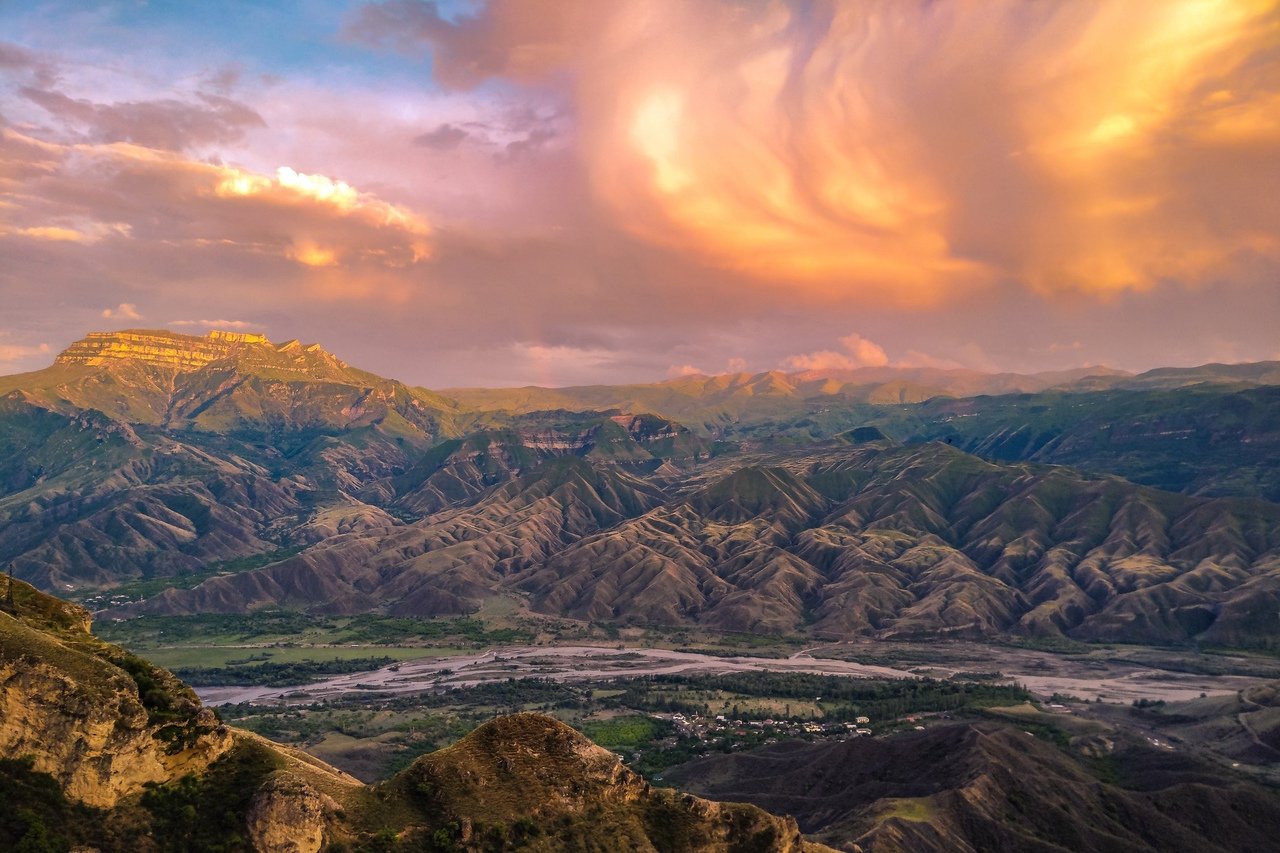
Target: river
[1122,683]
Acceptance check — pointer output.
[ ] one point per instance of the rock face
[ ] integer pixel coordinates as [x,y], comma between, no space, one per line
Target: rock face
[85,724]
[185,352]
[68,705]
[289,816]
[100,747]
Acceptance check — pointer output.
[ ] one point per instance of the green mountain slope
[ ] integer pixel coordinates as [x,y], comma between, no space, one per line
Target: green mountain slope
[152,459]
[1212,430]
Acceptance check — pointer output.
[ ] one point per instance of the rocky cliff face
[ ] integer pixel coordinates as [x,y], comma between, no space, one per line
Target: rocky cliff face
[288,815]
[104,724]
[105,751]
[185,352]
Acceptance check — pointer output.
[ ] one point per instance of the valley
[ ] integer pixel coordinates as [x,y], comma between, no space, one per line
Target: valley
[1111,681]
[554,426]
[704,577]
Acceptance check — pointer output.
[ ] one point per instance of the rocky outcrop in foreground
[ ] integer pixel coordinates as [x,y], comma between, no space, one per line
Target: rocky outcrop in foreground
[106,751]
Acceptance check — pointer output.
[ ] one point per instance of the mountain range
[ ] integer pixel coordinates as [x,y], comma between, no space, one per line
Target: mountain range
[246,474]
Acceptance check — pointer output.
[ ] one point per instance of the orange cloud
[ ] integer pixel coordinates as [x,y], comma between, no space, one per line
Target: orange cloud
[69,232]
[908,151]
[89,193]
[290,188]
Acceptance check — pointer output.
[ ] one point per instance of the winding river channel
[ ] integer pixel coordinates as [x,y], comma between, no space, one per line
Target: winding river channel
[1119,683]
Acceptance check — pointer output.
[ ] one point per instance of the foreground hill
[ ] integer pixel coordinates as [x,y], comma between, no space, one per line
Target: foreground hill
[993,787]
[105,750]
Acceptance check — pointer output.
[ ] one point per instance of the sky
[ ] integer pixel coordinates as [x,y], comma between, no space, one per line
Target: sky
[562,192]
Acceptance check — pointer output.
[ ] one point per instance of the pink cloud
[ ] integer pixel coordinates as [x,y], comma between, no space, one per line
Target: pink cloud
[857,352]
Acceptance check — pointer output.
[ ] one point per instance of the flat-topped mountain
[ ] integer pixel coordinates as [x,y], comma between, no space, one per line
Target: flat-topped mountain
[186,352]
[223,382]
[148,454]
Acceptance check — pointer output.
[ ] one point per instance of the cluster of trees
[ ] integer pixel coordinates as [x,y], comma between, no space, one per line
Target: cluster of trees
[277,674]
[384,630]
[842,698]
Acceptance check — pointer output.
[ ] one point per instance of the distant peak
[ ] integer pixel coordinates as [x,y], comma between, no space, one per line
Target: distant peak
[159,346]
[237,337]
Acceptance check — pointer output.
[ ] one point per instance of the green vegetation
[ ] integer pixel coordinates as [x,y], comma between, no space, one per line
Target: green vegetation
[147,587]
[36,817]
[373,735]
[277,674]
[207,814]
[284,626]
[620,733]
[242,659]
[916,810]
[841,699]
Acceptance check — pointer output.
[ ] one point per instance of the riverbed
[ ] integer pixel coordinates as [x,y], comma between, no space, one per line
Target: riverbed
[1120,683]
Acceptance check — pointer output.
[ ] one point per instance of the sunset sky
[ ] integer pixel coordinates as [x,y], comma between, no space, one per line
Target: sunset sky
[554,192]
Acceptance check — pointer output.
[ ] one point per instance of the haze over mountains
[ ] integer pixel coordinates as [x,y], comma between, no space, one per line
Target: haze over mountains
[777,502]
